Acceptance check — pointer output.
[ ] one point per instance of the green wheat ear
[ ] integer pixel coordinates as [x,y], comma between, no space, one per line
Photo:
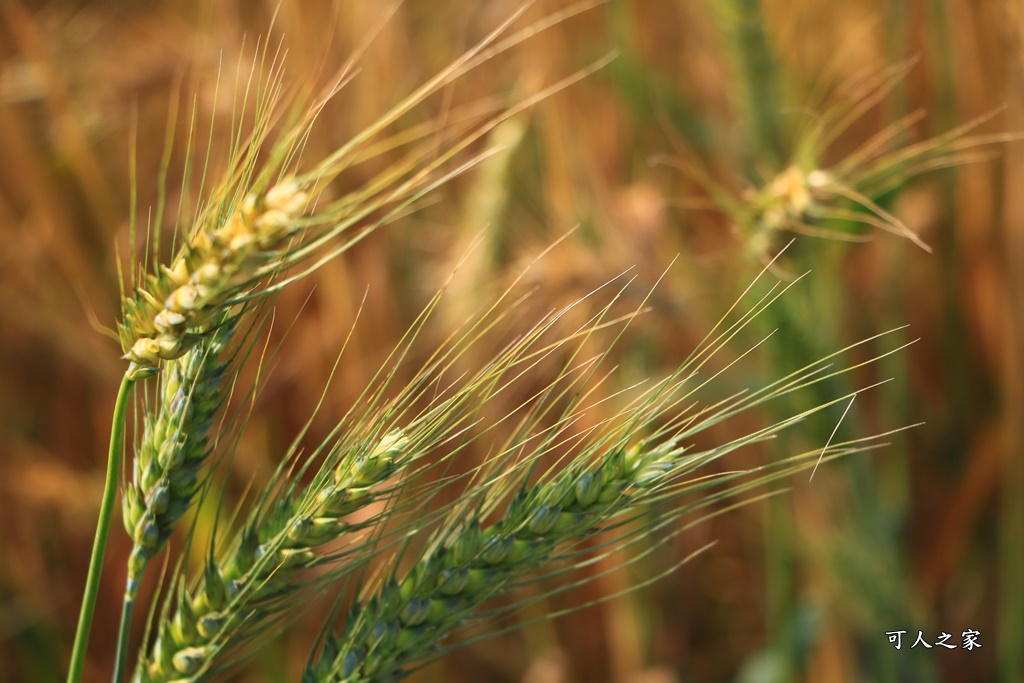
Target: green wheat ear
[510,529]
[253,580]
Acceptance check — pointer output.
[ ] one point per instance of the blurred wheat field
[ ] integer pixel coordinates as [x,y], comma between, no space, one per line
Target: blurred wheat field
[96,101]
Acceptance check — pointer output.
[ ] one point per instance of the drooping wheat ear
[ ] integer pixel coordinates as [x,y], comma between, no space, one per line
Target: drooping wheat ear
[175,443]
[475,557]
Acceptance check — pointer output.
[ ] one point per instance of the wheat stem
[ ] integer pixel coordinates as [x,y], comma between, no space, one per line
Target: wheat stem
[121,656]
[99,547]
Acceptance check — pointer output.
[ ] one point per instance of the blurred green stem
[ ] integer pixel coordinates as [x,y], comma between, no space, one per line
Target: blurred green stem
[99,547]
[759,85]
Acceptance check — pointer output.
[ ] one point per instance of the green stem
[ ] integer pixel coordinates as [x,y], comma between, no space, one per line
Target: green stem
[99,547]
[122,637]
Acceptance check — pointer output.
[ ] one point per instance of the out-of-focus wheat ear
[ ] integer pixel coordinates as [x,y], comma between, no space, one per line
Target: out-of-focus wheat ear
[811,198]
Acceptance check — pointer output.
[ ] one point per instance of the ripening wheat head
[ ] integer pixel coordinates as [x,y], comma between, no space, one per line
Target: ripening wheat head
[266,218]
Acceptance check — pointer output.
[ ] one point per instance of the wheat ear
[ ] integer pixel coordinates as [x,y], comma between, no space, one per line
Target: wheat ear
[256,225]
[480,553]
[408,622]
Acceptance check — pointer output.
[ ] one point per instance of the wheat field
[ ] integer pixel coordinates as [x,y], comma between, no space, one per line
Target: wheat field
[635,340]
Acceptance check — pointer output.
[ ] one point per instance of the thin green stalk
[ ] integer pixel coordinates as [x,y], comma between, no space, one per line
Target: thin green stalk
[122,638]
[99,547]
